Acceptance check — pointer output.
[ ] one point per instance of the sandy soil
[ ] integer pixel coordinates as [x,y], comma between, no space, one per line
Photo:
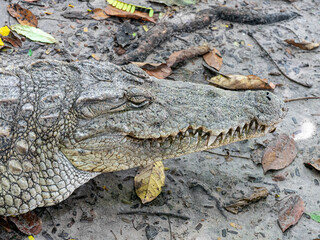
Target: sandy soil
[195,181]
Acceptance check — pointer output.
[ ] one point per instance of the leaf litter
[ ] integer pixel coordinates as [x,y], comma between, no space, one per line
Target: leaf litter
[23,16]
[149,181]
[279,153]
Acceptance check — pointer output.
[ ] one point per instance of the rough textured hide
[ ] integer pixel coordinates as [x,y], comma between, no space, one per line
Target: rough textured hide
[62,124]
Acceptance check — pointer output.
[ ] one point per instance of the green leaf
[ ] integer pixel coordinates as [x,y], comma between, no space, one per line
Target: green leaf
[34,34]
[176,2]
[315,216]
[30,52]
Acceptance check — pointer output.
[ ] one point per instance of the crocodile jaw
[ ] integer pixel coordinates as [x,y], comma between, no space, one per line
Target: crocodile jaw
[183,118]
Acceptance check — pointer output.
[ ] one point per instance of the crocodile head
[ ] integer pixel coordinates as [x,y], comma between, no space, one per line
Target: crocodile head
[125,119]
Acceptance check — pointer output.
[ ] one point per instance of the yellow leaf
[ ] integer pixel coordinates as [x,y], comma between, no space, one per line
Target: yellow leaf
[48,13]
[1,43]
[85,29]
[31,237]
[149,181]
[70,5]
[4,31]
[95,56]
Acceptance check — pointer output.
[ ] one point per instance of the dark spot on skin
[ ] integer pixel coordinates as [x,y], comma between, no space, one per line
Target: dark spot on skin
[269,98]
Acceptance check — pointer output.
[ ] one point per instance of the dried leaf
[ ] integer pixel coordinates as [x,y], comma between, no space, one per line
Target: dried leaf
[182,55]
[149,181]
[314,164]
[28,223]
[315,216]
[34,34]
[158,70]
[213,59]
[259,193]
[240,82]
[1,42]
[23,16]
[99,14]
[4,223]
[279,153]
[112,11]
[303,45]
[290,211]
[95,56]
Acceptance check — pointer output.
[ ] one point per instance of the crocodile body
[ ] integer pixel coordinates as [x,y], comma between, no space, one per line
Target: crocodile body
[62,124]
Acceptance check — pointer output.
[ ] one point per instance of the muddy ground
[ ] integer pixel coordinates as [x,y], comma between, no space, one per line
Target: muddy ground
[194,182]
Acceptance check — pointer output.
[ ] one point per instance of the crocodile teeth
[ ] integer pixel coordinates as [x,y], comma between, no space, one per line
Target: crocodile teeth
[196,135]
[187,134]
[211,140]
[253,125]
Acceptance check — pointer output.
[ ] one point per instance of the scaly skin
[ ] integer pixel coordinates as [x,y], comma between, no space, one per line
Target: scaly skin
[62,124]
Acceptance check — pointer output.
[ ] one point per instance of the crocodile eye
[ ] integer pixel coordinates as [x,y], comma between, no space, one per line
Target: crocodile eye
[139,97]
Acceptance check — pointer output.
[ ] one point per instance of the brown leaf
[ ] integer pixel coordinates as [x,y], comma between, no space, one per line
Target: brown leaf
[23,16]
[12,39]
[280,177]
[303,45]
[290,211]
[99,14]
[112,11]
[314,164]
[240,82]
[28,223]
[258,194]
[213,59]
[4,223]
[279,153]
[182,55]
[158,70]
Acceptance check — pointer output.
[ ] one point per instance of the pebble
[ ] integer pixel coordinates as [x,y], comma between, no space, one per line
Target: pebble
[224,232]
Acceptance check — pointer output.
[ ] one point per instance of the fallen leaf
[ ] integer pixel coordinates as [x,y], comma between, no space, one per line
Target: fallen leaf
[315,216]
[213,59]
[175,2]
[179,56]
[4,223]
[149,181]
[99,14]
[23,16]
[279,153]
[85,29]
[31,0]
[241,82]
[28,223]
[158,70]
[304,45]
[314,164]
[48,13]
[112,11]
[34,34]
[1,43]
[290,211]
[70,5]
[258,194]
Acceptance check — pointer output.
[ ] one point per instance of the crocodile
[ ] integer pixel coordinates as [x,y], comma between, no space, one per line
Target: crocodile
[62,124]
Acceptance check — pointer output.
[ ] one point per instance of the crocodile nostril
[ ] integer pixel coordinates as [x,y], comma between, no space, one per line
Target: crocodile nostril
[268,98]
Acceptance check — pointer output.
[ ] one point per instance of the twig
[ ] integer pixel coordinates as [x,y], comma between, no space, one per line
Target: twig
[170,230]
[115,237]
[290,30]
[155,214]
[226,155]
[308,85]
[298,99]
[207,190]
[34,4]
